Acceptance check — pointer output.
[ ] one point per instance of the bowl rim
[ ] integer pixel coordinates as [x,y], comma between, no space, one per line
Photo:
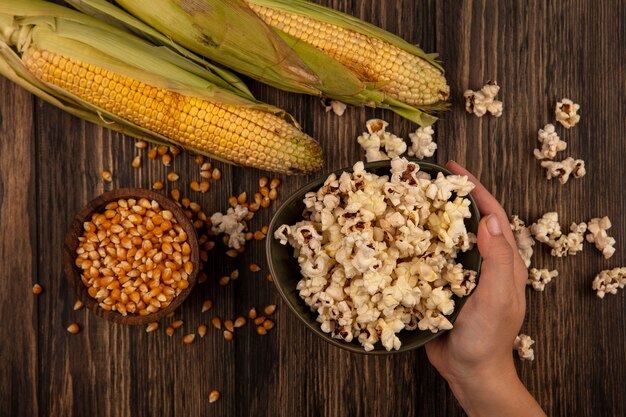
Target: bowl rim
[75,229]
[350,346]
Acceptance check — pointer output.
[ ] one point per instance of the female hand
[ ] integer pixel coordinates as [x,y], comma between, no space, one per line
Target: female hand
[476,356]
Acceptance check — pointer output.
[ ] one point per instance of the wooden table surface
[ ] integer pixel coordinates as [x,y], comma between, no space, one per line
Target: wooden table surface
[538,51]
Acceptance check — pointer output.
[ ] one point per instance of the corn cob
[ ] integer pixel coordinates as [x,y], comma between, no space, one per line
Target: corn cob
[238,129]
[404,76]
[352,61]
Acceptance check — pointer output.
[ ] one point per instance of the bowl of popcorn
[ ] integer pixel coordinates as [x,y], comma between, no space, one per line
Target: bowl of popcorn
[379,257]
[132,256]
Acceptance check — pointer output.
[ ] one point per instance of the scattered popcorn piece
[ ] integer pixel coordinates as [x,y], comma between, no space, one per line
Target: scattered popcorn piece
[371,142]
[378,254]
[335,106]
[538,278]
[597,234]
[563,169]
[422,145]
[377,138]
[523,239]
[523,345]
[547,228]
[608,281]
[483,101]
[551,144]
[232,224]
[566,112]
[569,244]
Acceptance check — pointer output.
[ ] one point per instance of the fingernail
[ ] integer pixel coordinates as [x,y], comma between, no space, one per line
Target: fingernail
[493,225]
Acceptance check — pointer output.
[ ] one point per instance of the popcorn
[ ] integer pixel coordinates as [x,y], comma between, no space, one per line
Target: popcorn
[232,224]
[335,106]
[538,278]
[523,239]
[422,145]
[378,253]
[566,112]
[597,234]
[551,144]
[563,169]
[547,228]
[378,138]
[609,281]
[523,345]
[483,101]
[571,243]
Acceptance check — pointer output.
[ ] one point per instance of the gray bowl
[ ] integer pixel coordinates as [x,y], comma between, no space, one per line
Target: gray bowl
[286,271]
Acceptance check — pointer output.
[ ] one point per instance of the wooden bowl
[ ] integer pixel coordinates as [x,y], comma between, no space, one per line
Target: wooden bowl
[73,273]
[286,270]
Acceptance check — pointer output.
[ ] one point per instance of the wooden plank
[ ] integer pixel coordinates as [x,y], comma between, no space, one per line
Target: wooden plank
[528,48]
[18,256]
[538,52]
[306,376]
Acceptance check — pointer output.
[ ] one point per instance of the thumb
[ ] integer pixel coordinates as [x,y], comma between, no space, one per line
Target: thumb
[497,270]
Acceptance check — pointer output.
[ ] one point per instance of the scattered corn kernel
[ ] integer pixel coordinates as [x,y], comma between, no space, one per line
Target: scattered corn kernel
[136,162]
[207,305]
[201,330]
[73,328]
[188,339]
[152,327]
[252,313]
[37,289]
[240,322]
[214,396]
[107,176]
[229,325]
[269,309]
[216,322]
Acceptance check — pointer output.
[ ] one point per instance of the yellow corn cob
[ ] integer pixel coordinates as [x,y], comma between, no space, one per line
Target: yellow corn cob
[237,133]
[407,77]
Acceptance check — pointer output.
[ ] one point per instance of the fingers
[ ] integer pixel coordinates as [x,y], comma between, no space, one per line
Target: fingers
[487,204]
[498,267]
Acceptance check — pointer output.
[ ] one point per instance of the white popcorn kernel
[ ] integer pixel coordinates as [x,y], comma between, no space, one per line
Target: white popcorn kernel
[597,234]
[547,228]
[523,345]
[422,145]
[483,101]
[232,224]
[377,138]
[434,321]
[571,243]
[563,169]
[609,281]
[356,230]
[551,144]
[566,112]
[538,278]
[335,106]
[523,239]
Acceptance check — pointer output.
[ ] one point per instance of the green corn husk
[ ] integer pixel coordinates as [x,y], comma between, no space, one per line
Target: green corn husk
[82,38]
[191,22]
